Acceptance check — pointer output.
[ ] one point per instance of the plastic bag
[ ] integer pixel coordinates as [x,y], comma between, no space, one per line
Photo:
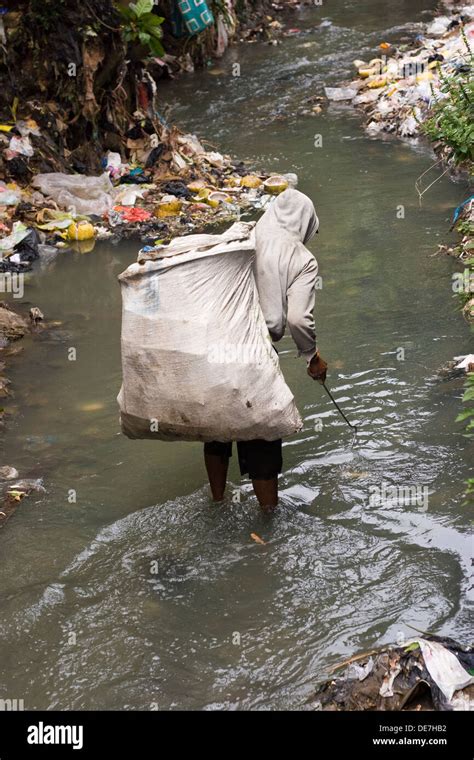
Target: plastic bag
[444,668]
[77,193]
[18,233]
[197,359]
[340,93]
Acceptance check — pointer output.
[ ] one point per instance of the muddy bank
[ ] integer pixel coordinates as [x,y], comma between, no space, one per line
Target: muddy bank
[13,327]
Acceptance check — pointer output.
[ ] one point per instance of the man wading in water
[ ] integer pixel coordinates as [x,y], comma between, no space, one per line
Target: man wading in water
[285,273]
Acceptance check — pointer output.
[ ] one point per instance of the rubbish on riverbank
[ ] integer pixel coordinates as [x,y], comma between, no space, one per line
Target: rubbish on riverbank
[217,197]
[77,193]
[19,231]
[9,196]
[26,250]
[275,184]
[19,146]
[14,493]
[428,673]
[36,316]
[468,312]
[12,325]
[80,231]
[102,233]
[341,93]
[128,195]
[27,485]
[465,362]
[250,180]
[444,667]
[114,166]
[183,189]
[50,220]
[169,205]
[360,672]
[397,89]
[128,214]
[8,473]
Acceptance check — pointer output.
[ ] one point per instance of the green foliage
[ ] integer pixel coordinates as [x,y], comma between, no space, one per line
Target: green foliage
[466,294]
[141,26]
[465,227]
[468,414]
[452,116]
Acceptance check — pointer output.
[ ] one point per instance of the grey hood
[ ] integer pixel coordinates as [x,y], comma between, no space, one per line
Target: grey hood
[292,212]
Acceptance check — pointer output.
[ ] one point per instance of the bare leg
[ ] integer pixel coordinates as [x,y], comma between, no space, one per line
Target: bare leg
[217,467]
[266,492]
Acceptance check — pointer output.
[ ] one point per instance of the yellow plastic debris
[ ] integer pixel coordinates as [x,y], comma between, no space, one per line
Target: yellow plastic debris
[425,76]
[168,206]
[196,185]
[378,82]
[80,231]
[275,184]
[216,198]
[251,180]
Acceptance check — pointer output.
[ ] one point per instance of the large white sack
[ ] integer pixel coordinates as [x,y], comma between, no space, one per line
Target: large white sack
[197,359]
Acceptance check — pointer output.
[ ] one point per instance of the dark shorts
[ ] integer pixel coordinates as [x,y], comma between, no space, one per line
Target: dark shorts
[262,460]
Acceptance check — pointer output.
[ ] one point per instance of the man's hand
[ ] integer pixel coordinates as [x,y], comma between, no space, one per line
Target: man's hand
[317,368]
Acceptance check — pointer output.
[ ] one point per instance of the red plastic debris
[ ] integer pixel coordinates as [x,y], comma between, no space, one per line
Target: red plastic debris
[131,214]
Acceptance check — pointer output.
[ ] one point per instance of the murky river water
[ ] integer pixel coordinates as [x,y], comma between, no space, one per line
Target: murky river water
[143,593]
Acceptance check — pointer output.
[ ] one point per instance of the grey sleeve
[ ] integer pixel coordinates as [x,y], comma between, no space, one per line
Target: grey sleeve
[300,318]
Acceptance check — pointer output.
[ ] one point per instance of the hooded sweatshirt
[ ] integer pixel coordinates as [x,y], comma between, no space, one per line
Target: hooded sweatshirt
[285,271]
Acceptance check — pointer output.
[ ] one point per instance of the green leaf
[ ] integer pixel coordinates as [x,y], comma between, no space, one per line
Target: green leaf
[156,47]
[151,19]
[144,38]
[465,415]
[125,11]
[411,647]
[141,7]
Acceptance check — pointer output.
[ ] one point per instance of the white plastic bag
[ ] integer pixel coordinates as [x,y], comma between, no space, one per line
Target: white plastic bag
[197,359]
[77,193]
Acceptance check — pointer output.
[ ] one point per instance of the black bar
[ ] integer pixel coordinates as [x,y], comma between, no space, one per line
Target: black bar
[155,734]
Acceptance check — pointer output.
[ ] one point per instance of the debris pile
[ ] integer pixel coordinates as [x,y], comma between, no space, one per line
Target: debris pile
[13,327]
[166,187]
[397,88]
[13,490]
[429,673]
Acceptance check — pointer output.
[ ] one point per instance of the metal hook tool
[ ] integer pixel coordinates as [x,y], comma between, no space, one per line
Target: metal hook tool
[353,427]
